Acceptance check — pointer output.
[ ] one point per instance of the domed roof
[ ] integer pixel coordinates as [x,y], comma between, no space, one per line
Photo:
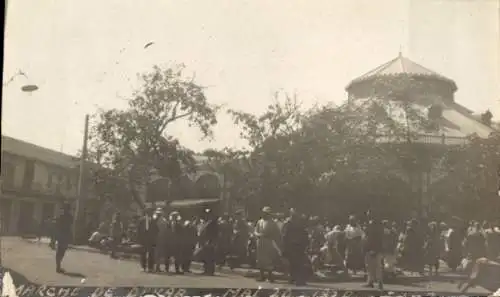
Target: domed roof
[398,66]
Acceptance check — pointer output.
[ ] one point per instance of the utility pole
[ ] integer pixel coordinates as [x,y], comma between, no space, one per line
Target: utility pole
[81,184]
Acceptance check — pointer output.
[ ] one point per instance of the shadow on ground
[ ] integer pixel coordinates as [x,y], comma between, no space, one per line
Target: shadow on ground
[18,278]
[73,274]
[420,282]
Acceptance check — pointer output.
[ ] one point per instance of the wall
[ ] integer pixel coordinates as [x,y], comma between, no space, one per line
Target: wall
[42,173]
[433,88]
[36,197]
[18,164]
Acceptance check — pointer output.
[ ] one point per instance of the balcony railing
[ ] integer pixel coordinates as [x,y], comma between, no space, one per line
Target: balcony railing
[426,139]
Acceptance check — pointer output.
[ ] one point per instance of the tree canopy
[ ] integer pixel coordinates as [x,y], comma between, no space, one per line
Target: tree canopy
[327,160]
[129,143]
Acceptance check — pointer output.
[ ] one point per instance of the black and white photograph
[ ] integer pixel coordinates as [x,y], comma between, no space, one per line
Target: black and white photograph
[279,145]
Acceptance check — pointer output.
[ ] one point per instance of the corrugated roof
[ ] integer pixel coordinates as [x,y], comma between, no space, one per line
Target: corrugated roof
[32,151]
[397,66]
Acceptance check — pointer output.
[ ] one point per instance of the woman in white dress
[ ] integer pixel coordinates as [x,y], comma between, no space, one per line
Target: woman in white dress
[268,244]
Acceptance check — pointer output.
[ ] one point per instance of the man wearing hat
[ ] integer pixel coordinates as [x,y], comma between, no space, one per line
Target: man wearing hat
[177,241]
[224,240]
[189,244]
[63,226]
[164,235]
[147,233]
[373,248]
[208,240]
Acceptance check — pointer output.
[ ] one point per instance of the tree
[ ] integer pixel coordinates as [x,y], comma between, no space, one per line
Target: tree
[269,137]
[129,143]
[471,184]
[234,166]
[315,157]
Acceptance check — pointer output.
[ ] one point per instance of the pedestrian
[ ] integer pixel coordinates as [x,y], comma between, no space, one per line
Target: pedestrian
[334,239]
[177,241]
[208,241]
[373,248]
[433,248]
[268,239]
[240,238]
[295,243]
[475,243]
[224,241]
[147,234]
[390,242]
[64,223]
[116,233]
[354,250]
[191,238]
[412,248]
[162,250]
[453,243]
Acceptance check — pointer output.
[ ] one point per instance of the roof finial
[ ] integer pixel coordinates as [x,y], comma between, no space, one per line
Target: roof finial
[400,51]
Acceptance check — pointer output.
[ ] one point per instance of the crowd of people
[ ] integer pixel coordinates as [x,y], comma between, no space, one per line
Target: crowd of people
[295,245]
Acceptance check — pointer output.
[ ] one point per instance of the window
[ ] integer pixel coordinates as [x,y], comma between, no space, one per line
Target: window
[69,182]
[8,174]
[49,180]
[59,183]
[29,174]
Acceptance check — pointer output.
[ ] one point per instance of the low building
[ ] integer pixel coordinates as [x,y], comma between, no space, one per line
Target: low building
[35,180]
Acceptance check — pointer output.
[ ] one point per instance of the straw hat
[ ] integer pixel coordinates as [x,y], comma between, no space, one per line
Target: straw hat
[267,210]
[159,211]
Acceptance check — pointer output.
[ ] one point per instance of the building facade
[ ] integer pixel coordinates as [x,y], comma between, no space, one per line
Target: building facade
[203,183]
[35,181]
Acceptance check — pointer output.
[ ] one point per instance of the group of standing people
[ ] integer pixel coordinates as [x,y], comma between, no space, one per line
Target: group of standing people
[170,238]
[297,244]
[376,247]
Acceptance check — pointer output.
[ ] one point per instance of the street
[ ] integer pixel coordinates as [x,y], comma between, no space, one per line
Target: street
[35,263]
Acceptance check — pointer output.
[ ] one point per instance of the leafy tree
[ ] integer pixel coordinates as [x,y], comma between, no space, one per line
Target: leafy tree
[326,153]
[269,137]
[130,142]
[470,187]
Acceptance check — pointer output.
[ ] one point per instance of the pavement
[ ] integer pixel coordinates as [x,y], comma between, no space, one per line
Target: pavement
[31,261]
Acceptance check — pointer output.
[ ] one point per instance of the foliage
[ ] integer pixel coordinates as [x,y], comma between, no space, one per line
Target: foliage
[322,156]
[129,143]
[471,187]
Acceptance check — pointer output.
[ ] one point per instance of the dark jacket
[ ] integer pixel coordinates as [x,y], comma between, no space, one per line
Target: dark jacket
[209,232]
[374,242]
[62,228]
[149,236]
[295,238]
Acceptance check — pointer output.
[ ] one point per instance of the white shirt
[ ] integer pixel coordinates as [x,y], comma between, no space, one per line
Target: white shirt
[353,232]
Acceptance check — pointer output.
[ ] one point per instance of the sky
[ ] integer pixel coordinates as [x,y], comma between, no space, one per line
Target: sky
[85,55]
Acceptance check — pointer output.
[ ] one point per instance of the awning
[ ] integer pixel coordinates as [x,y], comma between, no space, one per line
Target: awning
[194,203]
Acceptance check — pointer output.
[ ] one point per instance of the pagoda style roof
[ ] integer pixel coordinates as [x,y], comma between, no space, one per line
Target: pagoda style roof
[401,66]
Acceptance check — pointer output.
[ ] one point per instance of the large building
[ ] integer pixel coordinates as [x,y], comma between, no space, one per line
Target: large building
[402,87]
[35,180]
[454,120]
